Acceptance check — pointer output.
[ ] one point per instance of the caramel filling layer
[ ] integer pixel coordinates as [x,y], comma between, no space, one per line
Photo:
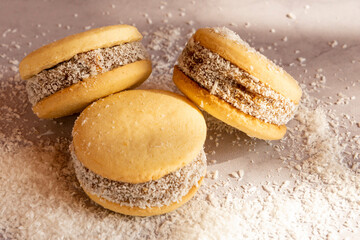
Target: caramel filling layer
[164,191]
[82,66]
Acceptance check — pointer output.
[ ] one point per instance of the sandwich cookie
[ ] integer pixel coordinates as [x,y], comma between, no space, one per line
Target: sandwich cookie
[233,82]
[67,75]
[140,152]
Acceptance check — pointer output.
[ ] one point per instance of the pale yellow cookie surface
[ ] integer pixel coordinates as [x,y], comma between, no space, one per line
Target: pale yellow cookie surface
[136,211]
[76,97]
[66,48]
[225,111]
[139,135]
[250,61]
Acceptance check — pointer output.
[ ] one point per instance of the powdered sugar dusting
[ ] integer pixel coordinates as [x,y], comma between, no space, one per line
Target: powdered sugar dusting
[231,35]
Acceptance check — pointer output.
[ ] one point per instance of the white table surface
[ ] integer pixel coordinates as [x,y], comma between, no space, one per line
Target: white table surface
[319,35]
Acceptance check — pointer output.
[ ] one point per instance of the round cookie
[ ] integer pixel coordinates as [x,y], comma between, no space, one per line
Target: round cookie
[65,76]
[140,152]
[233,82]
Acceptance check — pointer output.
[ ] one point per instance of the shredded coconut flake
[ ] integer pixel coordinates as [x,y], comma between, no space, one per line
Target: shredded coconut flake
[291,16]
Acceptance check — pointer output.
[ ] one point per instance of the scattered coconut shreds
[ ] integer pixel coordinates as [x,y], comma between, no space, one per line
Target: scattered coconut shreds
[333,43]
[41,198]
[213,175]
[234,175]
[301,59]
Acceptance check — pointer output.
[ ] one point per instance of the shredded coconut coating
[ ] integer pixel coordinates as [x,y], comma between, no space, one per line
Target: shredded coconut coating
[235,86]
[82,66]
[164,191]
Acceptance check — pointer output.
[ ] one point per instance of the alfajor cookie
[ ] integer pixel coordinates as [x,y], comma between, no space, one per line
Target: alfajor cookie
[67,75]
[233,82]
[140,152]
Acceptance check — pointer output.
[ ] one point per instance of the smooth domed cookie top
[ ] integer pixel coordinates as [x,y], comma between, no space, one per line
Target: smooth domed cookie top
[64,49]
[229,45]
[139,135]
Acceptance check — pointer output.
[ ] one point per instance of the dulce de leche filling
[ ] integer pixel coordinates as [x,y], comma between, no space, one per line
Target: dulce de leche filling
[156,193]
[233,85]
[82,66]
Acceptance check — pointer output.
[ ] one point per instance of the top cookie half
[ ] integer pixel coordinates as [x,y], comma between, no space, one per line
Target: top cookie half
[64,49]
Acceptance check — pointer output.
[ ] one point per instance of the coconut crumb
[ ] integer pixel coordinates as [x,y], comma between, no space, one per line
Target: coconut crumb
[234,175]
[333,43]
[291,16]
[213,175]
[301,59]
